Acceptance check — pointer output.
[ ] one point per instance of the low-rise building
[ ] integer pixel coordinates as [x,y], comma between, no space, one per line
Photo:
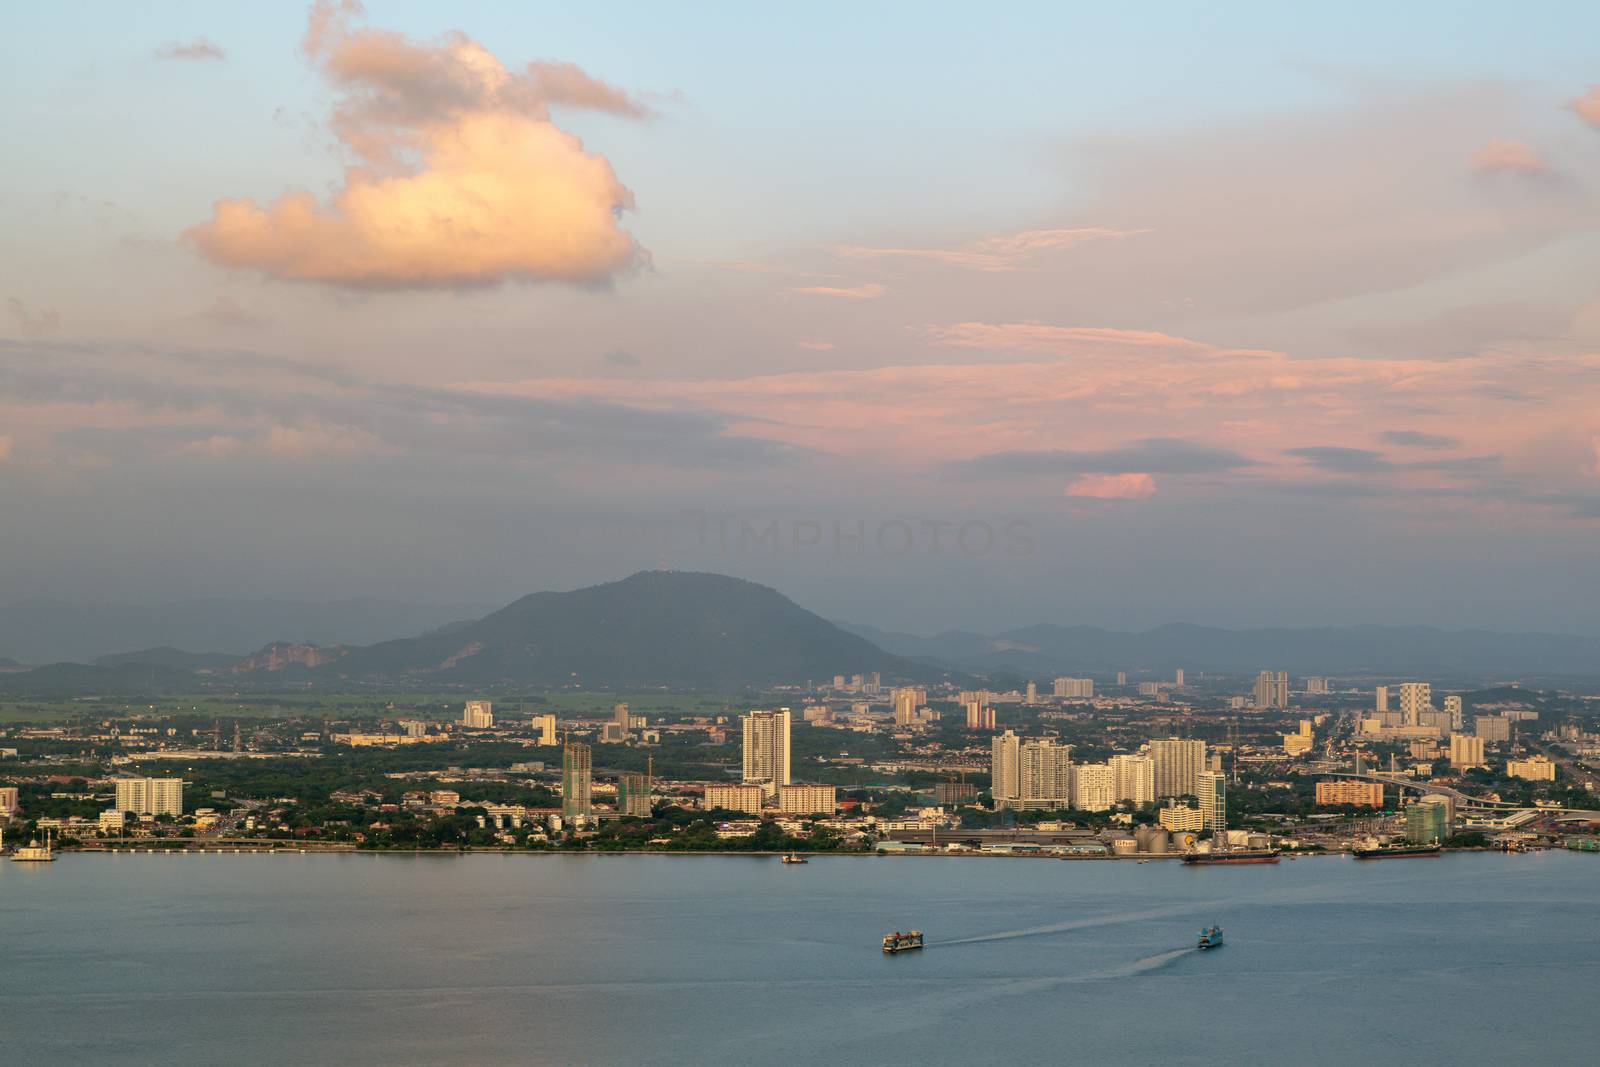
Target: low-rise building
[808,799]
[1533,769]
[1352,793]
[732,796]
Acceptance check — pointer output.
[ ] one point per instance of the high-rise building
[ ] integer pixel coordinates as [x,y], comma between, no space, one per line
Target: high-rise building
[1177,677]
[1452,708]
[1046,774]
[633,794]
[8,799]
[766,747]
[1316,685]
[1428,820]
[1122,677]
[1212,790]
[1179,762]
[1415,698]
[623,720]
[1135,778]
[904,702]
[1466,751]
[477,715]
[1304,740]
[1380,699]
[1495,729]
[1094,786]
[546,725]
[577,784]
[150,796]
[1005,769]
[1074,688]
[1272,690]
[980,716]
[1032,696]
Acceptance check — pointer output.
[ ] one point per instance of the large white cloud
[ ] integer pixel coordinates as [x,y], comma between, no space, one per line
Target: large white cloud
[464,178]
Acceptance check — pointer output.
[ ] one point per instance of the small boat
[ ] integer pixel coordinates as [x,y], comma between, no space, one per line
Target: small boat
[33,852]
[898,942]
[794,857]
[1210,937]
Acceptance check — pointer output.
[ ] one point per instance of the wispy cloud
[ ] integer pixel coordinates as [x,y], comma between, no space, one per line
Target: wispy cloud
[1418,439]
[1509,157]
[199,48]
[1588,106]
[871,291]
[1004,252]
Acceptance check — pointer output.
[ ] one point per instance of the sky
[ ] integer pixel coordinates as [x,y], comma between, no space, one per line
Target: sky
[931,315]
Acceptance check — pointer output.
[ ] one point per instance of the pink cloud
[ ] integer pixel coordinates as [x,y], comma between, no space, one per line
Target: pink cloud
[1588,106]
[1509,157]
[1037,336]
[5,449]
[858,292]
[817,346]
[1004,252]
[466,180]
[1113,486]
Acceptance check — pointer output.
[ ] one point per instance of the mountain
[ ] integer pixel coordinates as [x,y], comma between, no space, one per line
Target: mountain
[80,679]
[669,628]
[47,631]
[167,656]
[1365,651]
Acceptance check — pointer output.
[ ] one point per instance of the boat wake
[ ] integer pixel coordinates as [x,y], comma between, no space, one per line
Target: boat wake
[1082,924]
[1144,966]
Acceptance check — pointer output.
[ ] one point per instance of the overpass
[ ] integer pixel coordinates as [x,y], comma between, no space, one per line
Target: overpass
[1463,800]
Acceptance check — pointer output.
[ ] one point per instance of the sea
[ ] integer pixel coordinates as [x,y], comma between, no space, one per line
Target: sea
[206,959]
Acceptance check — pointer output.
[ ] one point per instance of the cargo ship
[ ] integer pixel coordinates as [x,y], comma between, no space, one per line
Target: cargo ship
[1210,937]
[1385,852]
[1232,855]
[898,942]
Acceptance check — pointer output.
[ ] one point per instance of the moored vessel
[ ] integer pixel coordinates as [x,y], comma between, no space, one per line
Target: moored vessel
[1210,937]
[1232,855]
[793,857]
[1383,852]
[902,942]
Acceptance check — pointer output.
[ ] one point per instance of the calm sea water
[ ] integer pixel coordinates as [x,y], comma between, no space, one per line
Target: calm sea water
[185,960]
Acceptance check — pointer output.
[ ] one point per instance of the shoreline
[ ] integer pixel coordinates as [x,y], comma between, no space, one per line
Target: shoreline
[351,850]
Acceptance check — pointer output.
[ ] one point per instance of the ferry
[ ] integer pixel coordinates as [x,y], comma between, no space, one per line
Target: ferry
[794,857]
[1210,937]
[33,852]
[898,942]
[1232,855]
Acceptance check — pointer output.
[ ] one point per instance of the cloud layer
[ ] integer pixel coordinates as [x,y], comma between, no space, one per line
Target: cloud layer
[465,180]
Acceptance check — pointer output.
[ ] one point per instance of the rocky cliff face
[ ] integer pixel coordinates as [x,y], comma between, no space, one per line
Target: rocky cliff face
[279,654]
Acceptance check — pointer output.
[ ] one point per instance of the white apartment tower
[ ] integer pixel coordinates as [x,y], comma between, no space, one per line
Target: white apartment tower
[477,715]
[150,796]
[1272,690]
[766,747]
[1094,786]
[1135,779]
[1005,769]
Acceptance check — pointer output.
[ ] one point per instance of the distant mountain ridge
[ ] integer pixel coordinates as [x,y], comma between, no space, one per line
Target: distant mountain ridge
[1045,649]
[50,631]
